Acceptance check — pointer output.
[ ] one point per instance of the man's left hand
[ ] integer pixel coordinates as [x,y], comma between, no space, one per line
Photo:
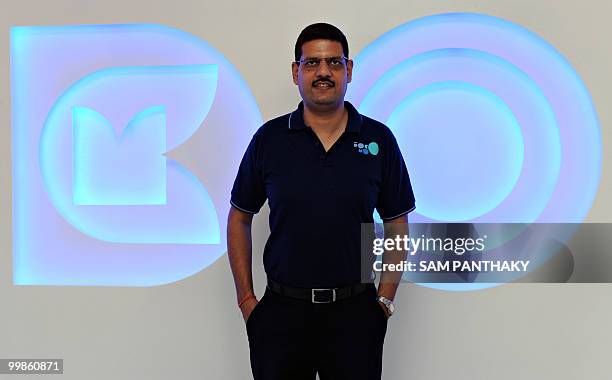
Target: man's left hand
[384,308]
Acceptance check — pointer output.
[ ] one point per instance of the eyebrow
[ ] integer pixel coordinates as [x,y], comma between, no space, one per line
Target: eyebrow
[333,56]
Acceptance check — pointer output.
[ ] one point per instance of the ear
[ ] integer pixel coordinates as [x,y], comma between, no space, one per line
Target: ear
[294,72]
[349,71]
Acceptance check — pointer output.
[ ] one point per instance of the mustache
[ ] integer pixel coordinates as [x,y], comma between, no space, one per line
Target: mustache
[315,82]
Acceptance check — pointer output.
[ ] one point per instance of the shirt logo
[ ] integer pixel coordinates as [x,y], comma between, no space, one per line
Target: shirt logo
[371,148]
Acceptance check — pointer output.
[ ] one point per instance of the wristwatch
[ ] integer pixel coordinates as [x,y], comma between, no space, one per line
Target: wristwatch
[388,304]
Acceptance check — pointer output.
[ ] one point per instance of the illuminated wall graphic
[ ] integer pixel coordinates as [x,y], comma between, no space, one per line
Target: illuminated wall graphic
[121,171]
[106,170]
[99,115]
[126,139]
[493,122]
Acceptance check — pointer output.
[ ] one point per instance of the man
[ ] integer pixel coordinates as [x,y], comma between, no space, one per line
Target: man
[324,168]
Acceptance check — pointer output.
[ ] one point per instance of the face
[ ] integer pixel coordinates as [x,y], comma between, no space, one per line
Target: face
[322,85]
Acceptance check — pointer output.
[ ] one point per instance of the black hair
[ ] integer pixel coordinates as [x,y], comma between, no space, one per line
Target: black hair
[320,31]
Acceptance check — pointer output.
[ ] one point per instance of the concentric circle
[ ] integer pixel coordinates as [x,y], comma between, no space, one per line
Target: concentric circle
[528,149]
[561,160]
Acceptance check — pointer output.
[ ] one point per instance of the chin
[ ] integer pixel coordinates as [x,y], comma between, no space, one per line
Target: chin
[325,101]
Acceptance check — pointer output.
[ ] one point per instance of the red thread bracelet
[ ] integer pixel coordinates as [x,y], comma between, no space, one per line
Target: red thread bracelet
[246,299]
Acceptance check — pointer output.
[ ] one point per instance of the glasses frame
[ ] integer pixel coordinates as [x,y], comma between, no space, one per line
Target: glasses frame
[318,61]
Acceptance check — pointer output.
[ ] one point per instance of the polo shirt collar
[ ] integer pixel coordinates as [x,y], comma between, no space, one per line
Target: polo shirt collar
[296,118]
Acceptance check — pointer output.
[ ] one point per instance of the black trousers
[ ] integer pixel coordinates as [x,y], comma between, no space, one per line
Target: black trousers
[293,339]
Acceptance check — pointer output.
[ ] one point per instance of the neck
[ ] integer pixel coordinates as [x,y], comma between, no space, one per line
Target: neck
[328,118]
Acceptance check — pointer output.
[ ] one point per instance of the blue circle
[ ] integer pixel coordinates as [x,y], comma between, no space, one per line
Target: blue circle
[560,131]
[373,148]
[476,143]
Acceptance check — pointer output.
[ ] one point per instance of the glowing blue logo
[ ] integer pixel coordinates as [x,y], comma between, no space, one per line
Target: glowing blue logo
[493,122]
[102,116]
[124,167]
[130,170]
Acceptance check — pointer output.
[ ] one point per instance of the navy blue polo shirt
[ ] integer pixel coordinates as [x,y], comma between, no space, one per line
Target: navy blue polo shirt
[319,199]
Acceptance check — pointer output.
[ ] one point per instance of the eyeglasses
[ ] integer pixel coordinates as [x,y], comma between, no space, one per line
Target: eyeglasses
[334,63]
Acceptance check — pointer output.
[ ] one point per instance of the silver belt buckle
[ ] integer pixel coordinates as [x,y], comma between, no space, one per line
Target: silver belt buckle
[333,295]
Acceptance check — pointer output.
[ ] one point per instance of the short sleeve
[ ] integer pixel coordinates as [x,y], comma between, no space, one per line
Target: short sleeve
[248,193]
[396,197]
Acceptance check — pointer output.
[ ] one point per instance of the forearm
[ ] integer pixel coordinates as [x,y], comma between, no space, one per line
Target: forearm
[239,251]
[389,280]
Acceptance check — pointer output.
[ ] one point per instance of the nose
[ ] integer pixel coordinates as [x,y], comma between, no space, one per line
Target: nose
[323,70]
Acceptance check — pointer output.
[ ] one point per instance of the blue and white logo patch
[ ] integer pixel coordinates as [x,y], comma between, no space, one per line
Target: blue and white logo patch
[371,148]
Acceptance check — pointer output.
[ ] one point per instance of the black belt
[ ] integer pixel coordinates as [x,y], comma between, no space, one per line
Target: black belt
[318,295]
